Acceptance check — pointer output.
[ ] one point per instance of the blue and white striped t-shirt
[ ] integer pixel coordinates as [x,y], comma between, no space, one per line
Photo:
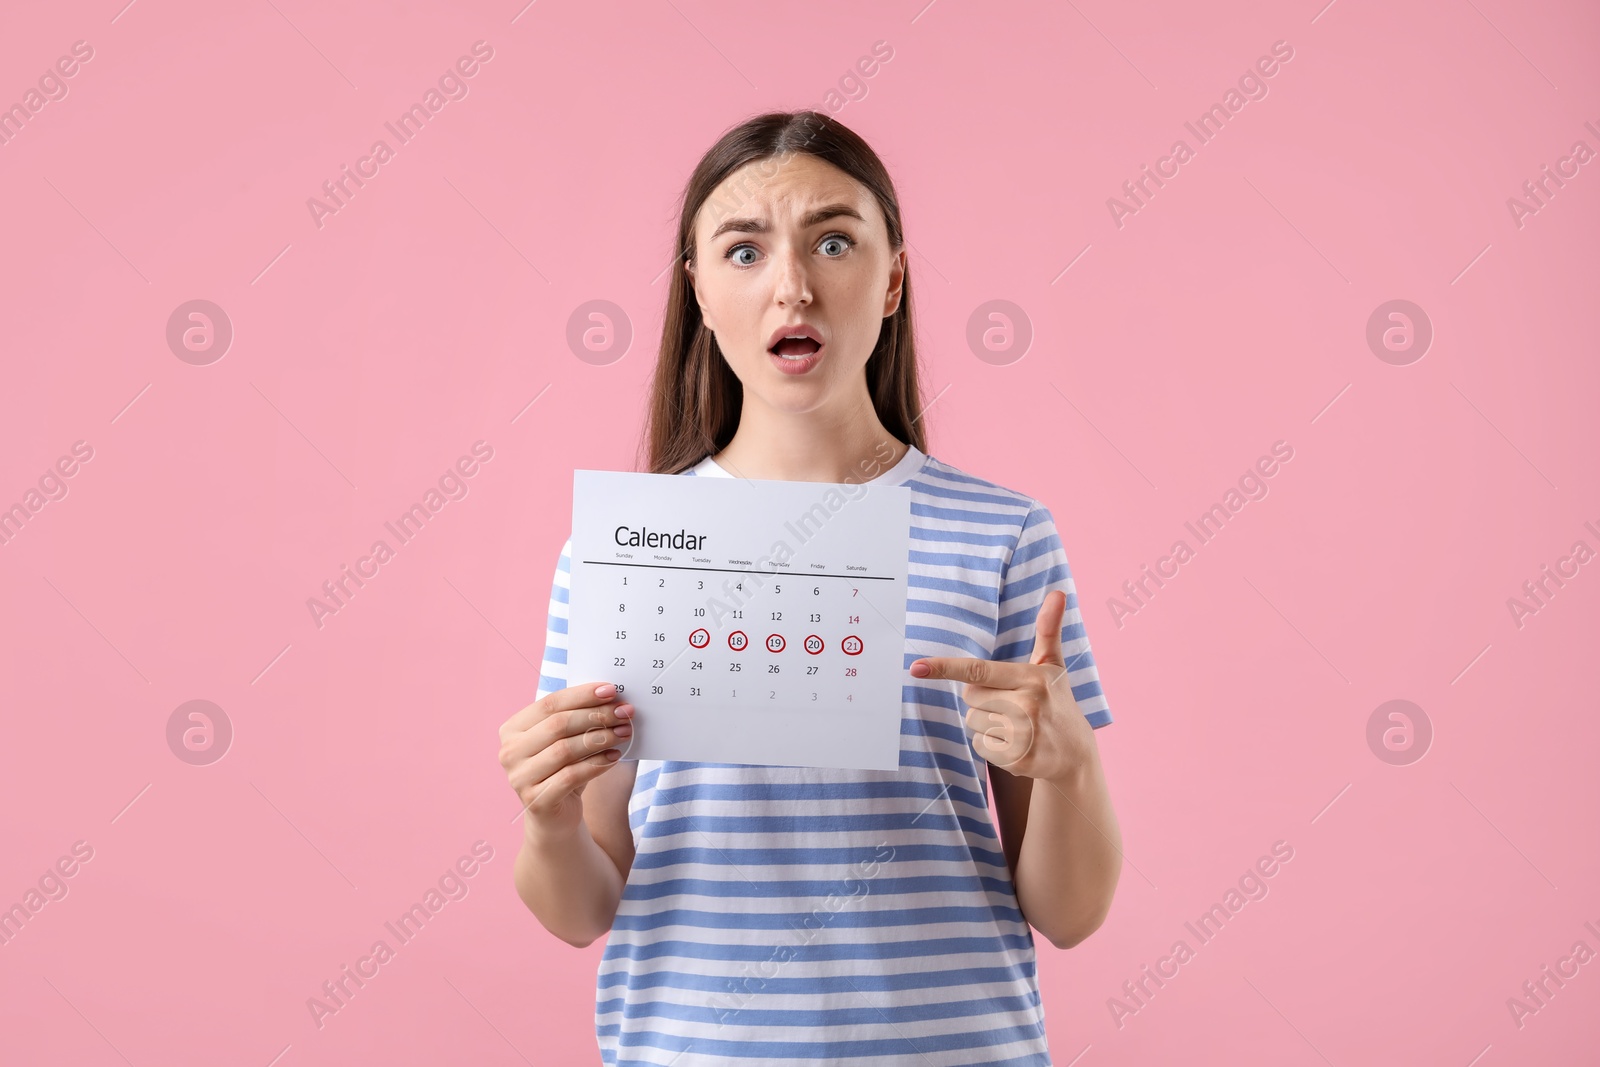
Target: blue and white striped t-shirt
[793,916]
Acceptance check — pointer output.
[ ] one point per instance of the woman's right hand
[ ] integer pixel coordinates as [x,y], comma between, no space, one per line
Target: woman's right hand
[555,746]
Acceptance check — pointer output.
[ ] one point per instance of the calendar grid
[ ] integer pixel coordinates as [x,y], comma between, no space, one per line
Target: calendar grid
[726,661]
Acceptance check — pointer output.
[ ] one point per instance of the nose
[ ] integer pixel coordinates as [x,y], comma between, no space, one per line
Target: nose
[791,282]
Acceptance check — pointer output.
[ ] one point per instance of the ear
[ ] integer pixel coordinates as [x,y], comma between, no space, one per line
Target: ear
[897,281]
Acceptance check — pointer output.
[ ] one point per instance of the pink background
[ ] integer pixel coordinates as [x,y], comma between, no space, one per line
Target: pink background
[370,353]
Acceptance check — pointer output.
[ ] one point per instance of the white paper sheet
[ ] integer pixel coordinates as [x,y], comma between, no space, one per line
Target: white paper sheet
[748,621]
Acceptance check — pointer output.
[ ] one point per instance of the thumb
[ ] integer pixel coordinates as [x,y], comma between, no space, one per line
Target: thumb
[1047,637]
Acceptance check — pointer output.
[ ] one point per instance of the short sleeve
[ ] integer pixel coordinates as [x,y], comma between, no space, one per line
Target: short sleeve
[553,668]
[1037,565]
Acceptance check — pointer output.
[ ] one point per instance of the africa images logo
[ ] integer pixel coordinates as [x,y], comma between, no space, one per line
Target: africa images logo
[452,85]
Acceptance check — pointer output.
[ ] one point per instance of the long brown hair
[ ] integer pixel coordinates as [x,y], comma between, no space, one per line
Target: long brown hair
[695,397]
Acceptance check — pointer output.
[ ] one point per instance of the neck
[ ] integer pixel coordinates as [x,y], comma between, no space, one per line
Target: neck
[811,446]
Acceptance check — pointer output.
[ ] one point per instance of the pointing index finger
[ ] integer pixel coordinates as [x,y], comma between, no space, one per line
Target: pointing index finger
[991,673]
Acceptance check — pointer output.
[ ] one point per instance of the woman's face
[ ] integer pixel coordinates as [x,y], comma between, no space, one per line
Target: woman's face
[806,247]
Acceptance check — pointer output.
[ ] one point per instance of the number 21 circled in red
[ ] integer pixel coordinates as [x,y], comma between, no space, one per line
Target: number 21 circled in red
[851,645]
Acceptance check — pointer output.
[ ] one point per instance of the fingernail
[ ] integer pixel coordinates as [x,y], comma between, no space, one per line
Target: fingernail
[605,690]
[624,711]
[624,730]
[919,669]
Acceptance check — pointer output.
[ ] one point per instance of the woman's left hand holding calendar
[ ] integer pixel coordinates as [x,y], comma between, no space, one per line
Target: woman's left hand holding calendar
[1022,715]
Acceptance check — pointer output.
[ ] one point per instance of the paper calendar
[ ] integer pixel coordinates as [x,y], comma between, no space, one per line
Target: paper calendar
[748,621]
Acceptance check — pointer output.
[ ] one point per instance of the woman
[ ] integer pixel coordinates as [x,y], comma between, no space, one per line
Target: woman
[806,915]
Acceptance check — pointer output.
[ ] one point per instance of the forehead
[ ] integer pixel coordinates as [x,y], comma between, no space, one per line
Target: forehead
[801,182]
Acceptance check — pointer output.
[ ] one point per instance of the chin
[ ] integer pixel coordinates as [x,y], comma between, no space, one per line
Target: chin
[793,397]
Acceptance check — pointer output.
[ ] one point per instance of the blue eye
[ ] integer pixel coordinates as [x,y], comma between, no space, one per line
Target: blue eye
[833,238]
[729,254]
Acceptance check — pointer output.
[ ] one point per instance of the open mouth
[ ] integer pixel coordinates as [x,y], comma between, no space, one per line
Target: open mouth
[795,348]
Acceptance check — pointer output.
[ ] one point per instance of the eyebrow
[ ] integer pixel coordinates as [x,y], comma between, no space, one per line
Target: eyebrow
[822,214]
